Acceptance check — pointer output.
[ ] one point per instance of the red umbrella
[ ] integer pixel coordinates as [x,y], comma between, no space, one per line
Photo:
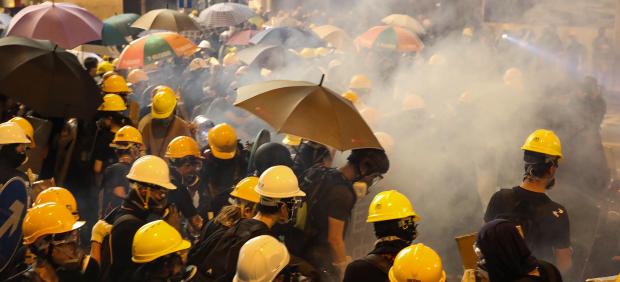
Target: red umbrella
[242,37]
[65,24]
[390,38]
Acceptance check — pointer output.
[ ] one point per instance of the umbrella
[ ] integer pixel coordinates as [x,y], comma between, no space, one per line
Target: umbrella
[65,24]
[165,19]
[109,51]
[309,111]
[225,14]
[290,37]
[62,89]
[154,47]
[404,21]
[116,28]
[335,36]
[266,56]
[390,38]
[242,37]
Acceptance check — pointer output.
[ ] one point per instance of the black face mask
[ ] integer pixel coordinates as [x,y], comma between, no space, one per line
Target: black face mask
[9,154]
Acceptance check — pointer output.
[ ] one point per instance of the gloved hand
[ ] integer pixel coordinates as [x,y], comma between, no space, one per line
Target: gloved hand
[100,230]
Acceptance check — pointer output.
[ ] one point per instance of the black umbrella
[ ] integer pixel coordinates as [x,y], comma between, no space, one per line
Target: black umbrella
[287,36]
[46,78]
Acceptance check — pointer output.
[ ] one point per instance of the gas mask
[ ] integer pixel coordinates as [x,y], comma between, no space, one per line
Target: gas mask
[14,158]
[66,252]
[408,228]
[149,202]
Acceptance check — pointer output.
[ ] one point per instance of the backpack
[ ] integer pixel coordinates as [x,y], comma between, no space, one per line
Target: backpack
[106,245]
[379,262]
[216,258]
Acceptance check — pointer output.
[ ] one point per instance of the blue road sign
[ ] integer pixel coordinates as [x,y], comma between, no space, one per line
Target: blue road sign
[13,205]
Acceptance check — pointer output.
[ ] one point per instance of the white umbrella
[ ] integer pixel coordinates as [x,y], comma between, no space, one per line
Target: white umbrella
[225,14]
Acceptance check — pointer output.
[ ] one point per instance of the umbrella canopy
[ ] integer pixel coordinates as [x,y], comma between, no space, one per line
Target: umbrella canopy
[154,47]
[266,56]
[225,14]
[165,19]
[62,89]
[390,38]
[65,24]
[404,21]
[309,111]
[241,37]
[335,36]
[290,37]
[109,51]
[116,28]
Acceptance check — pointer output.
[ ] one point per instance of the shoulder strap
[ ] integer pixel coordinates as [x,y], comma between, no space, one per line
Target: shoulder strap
[379,262]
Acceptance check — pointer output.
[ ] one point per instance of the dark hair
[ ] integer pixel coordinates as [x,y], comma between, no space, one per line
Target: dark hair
[271,154]
[268,210]
[375,160]
[392,228]
[537,164]
[90,63]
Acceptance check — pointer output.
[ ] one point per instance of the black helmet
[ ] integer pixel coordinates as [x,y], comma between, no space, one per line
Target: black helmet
[271,154]
[374,159]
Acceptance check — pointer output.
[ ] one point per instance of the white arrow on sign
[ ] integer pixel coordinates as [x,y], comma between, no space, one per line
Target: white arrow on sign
[17,207]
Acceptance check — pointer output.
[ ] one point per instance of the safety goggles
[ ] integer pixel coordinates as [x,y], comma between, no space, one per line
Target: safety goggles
[65,238]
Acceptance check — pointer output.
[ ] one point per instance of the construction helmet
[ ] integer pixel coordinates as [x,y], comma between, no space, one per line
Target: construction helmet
[291,140]
[163,88]
[360,81]
[245,189]
[128,133]
[136,76]
[48,219]
[417,263]
[112,103]
[543,141]
[182,146]
[389,205]
[513,77]
[261,259]
[164,103]
[197,63]
[321,51]
[307,53]
[223,141]
[60,196]
[115,62]
[351,96]
[115,84]
[468,32]
[156,239]
[279,182]
[103,67]
[27,127]
[386,141]
[12,133]
[151,170]
[230,59]
[413,102]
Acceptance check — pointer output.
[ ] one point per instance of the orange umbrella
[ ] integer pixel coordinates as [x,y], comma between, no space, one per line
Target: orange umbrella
[404,21]
[390,38]
[154,47]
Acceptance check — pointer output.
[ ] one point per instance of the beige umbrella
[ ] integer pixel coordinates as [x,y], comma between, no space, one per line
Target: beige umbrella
[166,19]
[404,21]
[335,36]
[309,111]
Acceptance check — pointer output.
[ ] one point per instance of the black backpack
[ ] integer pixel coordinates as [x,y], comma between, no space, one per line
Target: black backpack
[106,245]
[216,256]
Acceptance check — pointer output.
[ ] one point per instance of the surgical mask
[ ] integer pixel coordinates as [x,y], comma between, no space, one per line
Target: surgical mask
[361,189]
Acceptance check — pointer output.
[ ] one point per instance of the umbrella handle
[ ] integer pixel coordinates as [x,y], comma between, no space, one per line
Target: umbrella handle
[322,77]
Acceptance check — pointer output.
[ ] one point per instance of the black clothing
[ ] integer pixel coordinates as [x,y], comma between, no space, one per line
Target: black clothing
[102,150]
[219,176]
[544,222]
[114,176]
[364,270]
[180,197]
[7,171]
[548,273]
[126,223]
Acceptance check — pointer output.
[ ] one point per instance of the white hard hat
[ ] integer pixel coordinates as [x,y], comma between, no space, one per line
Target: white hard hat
[279,182]
[151,170]
[12,133]
[261,259]
[204,44]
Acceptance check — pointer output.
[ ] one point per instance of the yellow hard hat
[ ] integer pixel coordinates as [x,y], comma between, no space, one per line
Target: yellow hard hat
[230,59]
[128,133]
[245,189]
[417,263]
[386,141]
[389,205]
[164,103]
[156,239]
[183,146]
[108,74]
[115,62]
[291,140]
[436,59]
[197,63]
[513,77]
[360,81]
[307,53]
[12,133]
[104,66]
[151,170]
[112,103]
[223,141]
[468,32]
[321,51]
[545,142]
[136,76]
[115,84]
[351,96]
[413,102]
[47,219]
[60,196]
[27,127]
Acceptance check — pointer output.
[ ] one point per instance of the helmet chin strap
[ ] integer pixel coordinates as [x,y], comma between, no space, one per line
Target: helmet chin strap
[148,196]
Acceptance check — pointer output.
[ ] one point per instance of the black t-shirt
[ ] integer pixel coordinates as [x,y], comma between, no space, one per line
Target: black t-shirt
[548,221]
[121,240]
[364,270]
[548,273]
[180,197]
[114,176]
[219,176]
[102,150]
